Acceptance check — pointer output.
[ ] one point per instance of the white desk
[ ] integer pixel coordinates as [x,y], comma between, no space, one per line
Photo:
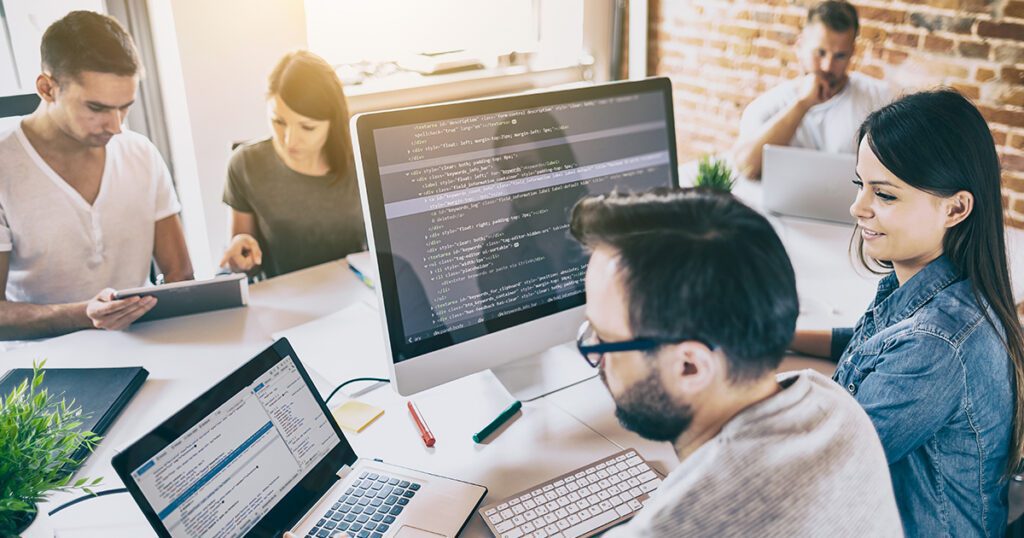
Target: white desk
[185,356]
[570,428]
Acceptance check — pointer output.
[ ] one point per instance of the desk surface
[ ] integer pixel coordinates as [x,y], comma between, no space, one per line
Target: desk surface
[570,428]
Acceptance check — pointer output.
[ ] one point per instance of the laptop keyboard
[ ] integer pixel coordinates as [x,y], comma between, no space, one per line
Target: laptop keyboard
[368,507]
[579,503]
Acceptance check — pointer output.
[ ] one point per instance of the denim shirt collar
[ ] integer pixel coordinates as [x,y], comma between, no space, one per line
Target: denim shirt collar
[894,303]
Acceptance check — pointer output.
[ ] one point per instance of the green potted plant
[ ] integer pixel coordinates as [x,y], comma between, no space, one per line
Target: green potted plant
[714,173]
[38,438]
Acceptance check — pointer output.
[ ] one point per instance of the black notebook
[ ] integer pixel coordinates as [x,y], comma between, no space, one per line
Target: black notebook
[101,392]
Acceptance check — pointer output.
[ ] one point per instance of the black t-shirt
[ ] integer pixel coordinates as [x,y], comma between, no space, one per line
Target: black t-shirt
[301,220]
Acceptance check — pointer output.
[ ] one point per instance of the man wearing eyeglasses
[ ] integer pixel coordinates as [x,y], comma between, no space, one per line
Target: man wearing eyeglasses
[691,302]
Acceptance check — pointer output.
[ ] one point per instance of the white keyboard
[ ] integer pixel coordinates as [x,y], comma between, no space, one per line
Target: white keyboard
[583,502]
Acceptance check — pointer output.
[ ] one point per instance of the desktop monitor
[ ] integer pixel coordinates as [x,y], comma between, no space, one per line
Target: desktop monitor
[467,209]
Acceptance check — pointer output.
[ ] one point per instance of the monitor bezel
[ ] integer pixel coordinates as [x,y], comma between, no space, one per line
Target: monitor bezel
[567,311]
[317,481]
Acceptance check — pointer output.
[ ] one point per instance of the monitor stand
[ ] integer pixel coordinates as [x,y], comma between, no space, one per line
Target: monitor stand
[538,375]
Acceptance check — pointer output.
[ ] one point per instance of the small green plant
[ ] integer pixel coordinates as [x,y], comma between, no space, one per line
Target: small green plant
[714,173]
[38,438]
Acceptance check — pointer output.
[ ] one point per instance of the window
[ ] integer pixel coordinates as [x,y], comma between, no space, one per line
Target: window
[22,23]
[391,44]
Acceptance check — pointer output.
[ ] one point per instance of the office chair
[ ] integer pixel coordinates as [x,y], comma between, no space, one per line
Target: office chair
[18,105]
[13,107]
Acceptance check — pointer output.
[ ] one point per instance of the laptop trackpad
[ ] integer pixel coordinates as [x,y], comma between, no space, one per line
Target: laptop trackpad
[412,532]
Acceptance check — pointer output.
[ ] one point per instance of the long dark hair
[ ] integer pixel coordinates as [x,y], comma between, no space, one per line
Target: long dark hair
[938,142]
[310,87]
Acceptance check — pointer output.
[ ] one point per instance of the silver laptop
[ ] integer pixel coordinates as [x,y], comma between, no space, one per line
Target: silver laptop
[808,183]
[258,455]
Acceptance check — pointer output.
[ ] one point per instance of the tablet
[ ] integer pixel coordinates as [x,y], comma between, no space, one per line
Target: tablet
[192,296]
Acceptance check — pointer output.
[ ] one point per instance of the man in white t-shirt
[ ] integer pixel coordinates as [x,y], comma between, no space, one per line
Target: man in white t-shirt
[687,344]
[85,205]
[822,109]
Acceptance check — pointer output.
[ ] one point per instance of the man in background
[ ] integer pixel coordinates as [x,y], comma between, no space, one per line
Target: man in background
[85,205]
[823,108]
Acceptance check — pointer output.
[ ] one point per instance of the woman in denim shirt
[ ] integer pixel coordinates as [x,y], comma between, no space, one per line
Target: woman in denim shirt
[937,359]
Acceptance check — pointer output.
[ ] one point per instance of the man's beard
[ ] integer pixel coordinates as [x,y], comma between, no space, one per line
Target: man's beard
[648,410]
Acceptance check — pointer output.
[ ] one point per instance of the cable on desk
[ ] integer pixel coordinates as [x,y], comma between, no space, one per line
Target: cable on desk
[350,381]
[93,495]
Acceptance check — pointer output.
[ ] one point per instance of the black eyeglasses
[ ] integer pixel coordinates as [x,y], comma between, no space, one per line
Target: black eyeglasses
[593,349]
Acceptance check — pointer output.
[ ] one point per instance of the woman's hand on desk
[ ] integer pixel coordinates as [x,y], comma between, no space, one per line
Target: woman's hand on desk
[105,312]
[242,254]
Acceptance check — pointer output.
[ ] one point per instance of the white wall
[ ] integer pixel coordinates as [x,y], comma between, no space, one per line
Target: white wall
[214,59]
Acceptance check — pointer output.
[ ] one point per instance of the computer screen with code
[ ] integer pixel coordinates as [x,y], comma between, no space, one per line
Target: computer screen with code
[477,198]
[223,475]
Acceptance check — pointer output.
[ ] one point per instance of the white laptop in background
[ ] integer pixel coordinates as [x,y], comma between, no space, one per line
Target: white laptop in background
[807,183]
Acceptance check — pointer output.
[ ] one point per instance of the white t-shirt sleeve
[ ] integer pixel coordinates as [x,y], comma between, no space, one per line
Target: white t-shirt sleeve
[765,107]
[6,245]
[757,113]
[166,199]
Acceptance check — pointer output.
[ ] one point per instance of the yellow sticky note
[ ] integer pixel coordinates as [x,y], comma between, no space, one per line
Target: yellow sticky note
[354,415]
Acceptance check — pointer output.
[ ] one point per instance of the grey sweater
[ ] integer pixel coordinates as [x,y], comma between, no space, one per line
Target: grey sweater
[805,462]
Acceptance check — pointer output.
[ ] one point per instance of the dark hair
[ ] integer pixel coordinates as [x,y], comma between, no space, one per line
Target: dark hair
[310,87]
[836,15]
[88,41]
[698,263]
[938,142]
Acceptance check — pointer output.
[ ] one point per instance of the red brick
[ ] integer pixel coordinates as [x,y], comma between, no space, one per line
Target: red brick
[1015,141]
[960,5]
[905,40]
[957,25]
[767,52]
[872,71]
[1001,30]
[1012,118]
[786,38]
[741,49]
[892,16]
[944,70]
[1013,182]
[744,32]
[894,57]
[1018,206]
[1000,137]
[937,44]
[718,45]
[1012,75]
[968,91]
[1012,162]
[984,75]
[763,17]
[971,49]
[873,34]
[796,21]
[1012,97]
[1009,54]
[1014,9]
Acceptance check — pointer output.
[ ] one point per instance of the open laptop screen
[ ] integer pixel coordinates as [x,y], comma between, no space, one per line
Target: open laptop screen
[238,452]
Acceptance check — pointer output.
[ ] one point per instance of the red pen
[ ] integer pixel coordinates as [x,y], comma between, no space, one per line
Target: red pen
[428,438]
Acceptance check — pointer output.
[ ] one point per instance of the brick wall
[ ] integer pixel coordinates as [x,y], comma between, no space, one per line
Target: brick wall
[721,54]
